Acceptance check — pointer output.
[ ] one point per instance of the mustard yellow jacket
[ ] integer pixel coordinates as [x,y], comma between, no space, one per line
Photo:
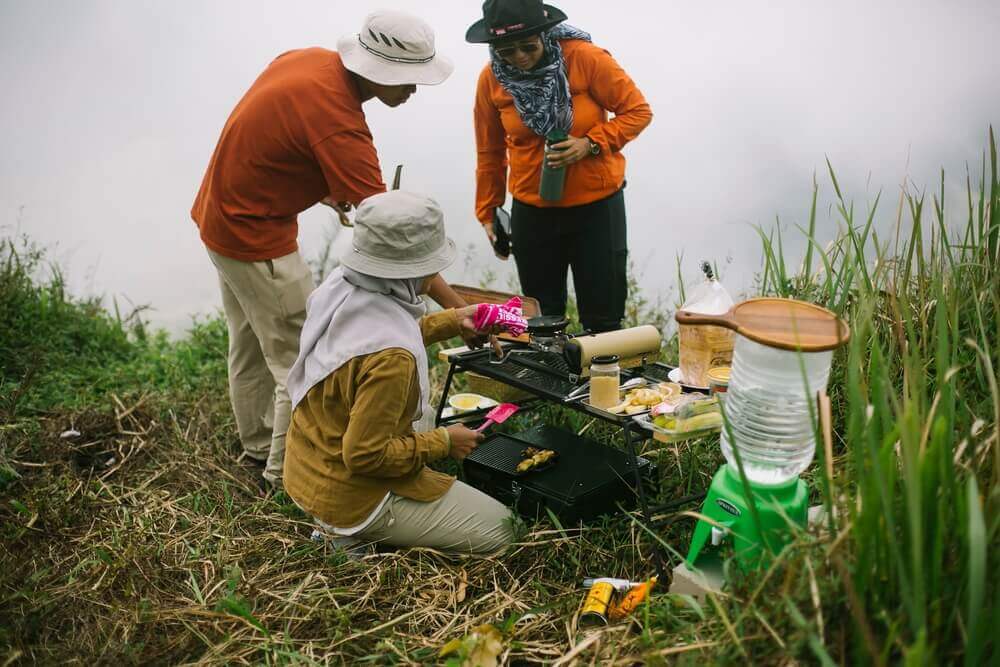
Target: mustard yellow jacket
[351,438]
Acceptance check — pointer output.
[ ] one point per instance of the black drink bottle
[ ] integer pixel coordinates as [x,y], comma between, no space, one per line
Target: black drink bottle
[551,186]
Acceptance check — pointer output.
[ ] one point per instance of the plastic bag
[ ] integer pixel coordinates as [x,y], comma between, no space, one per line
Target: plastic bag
[709,298]
[508,317]
[704,346]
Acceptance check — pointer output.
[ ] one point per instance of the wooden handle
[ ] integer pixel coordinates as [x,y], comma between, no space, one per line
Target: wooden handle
[724,320]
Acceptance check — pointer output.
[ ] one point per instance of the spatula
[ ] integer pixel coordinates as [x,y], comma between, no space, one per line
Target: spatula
[498,415]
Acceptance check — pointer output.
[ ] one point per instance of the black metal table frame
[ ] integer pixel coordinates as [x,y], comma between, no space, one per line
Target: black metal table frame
[462,361]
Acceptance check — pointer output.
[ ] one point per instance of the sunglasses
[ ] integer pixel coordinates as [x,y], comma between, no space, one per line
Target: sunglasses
[526,48]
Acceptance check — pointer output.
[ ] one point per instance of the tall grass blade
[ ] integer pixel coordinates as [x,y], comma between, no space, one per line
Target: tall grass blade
[976,584]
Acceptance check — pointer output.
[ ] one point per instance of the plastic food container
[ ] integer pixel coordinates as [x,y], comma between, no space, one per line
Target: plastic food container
[691,418]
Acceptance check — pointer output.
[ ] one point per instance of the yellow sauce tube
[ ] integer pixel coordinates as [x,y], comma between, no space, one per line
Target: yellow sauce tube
[630,601]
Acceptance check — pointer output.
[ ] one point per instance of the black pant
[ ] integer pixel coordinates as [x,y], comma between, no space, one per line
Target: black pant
[590,239]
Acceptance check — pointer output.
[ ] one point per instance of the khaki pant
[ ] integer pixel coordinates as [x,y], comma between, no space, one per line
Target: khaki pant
[265,305]
[462,521]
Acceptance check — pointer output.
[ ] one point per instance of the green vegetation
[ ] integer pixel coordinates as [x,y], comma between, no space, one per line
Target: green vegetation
[144,539]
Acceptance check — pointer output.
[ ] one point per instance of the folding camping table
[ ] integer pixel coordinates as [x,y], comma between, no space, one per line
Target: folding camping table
[547,377]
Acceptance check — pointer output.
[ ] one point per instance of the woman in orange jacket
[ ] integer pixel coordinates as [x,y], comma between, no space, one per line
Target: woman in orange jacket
[544,75]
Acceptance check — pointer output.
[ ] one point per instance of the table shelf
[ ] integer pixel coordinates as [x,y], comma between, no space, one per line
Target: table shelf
[543,376]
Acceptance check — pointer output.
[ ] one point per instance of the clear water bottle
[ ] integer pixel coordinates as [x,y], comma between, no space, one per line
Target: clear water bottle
[767,407]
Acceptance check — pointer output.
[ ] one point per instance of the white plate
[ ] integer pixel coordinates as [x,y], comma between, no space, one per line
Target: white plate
[676,376]
[484,402]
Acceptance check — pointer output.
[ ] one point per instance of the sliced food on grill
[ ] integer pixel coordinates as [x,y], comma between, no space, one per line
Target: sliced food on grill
[534,458]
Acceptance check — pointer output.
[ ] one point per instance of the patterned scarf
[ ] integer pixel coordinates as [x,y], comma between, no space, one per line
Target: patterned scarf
[541,95]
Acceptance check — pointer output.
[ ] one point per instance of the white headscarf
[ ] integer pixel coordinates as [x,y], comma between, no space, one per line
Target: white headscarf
[352,314]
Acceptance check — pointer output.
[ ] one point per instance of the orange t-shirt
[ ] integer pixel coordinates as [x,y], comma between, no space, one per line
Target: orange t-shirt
[297,136]
[598,84]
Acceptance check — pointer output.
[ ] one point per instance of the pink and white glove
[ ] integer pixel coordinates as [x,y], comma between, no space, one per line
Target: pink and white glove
[508,317]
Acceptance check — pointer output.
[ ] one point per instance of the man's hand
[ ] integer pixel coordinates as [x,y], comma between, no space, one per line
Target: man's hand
[344,206]
[463,441]
[341,207]
[567,152]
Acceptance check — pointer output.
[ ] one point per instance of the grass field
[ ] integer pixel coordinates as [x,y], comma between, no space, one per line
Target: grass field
[143,539]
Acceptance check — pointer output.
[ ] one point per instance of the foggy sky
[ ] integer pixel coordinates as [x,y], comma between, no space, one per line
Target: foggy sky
[111,110]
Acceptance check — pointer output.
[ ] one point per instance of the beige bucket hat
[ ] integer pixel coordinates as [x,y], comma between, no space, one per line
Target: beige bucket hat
[393,49]
[399,234]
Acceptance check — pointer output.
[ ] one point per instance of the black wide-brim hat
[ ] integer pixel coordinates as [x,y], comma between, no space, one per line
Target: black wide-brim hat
[507,19]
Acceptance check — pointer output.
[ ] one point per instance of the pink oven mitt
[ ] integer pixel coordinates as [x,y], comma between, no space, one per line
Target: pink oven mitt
[508,316]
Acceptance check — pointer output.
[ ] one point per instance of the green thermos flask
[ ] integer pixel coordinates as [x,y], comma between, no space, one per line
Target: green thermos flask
[551,186]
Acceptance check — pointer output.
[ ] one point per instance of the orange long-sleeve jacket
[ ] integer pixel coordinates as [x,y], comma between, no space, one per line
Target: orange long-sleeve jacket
[598,85]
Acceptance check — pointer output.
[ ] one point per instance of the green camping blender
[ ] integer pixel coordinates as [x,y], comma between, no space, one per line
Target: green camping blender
[781,359]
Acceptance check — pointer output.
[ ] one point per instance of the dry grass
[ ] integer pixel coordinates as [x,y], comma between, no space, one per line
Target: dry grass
[145,540]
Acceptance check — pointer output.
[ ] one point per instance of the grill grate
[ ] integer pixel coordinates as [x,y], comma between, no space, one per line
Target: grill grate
[502,455]
[551,361]
[658,372]
[542,373]
[534,370]
[588,479]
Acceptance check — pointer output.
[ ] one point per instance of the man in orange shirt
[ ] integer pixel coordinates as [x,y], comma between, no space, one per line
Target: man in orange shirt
[298,137]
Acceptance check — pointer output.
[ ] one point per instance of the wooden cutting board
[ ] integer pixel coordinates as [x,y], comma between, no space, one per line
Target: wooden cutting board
[786,324]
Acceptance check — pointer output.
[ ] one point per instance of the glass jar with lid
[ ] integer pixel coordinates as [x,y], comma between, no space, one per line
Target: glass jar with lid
[605,381]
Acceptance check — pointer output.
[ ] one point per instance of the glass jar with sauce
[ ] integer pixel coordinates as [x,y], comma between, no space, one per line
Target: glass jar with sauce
[718,379]
[605,381]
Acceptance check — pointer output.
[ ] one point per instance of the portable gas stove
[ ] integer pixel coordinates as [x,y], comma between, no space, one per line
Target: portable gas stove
[547,333]
[540,368]
[544,353]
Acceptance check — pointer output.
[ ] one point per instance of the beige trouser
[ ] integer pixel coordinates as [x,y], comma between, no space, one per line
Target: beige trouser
[462,521]
[265,305]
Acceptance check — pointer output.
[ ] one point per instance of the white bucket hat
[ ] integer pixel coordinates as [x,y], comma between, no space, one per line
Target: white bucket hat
[399,234]
[393,49]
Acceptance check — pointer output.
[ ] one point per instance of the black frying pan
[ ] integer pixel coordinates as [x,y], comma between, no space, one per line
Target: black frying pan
[547,325]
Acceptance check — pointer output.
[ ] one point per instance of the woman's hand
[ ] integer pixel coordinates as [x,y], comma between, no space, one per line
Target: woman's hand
[567,152]
[463,441]
[473,339]
[466,316]
[493,239]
